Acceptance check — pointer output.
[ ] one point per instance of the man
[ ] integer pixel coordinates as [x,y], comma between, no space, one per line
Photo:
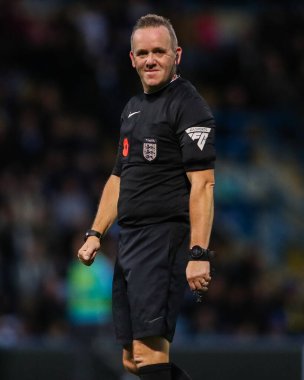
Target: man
[161,185]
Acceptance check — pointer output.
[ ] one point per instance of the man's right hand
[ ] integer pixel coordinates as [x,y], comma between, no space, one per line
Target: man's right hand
[88,251]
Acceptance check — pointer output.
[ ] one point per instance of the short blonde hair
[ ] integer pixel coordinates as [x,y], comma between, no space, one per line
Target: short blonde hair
[154,21]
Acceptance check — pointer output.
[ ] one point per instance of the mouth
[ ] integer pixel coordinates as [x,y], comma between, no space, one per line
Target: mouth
[151,73]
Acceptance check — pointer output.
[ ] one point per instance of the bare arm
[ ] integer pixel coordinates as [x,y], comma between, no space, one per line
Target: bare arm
[201,219]
[105,217]
[107,209]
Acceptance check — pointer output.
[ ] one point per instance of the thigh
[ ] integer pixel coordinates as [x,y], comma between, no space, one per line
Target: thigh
[153,259]
[121,308]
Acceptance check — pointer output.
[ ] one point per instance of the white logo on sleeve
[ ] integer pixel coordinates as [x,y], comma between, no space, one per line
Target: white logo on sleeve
[200,134]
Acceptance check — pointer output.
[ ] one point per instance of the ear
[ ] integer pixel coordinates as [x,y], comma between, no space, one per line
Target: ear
[131,55]
[178,55]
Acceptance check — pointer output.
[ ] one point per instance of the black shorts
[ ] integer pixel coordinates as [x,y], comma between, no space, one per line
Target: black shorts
[149,280]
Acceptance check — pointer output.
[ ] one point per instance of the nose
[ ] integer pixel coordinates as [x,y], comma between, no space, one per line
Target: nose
[150,59]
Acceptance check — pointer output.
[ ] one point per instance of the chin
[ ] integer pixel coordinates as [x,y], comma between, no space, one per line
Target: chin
[153,83]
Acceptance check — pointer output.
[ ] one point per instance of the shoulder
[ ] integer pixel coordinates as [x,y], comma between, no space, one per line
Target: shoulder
[186,96]
[188,107]
[185,88]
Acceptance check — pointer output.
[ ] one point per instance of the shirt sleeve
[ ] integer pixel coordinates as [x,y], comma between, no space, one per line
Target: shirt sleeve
[118,165]
[195,129]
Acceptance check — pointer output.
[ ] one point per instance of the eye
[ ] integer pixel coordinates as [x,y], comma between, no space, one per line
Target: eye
[159,52]
[141,54]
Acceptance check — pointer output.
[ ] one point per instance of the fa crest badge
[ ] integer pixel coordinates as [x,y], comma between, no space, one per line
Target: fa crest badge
[150,149]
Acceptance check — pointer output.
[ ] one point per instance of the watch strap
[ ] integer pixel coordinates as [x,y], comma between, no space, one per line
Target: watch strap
[92,233]
[204,255]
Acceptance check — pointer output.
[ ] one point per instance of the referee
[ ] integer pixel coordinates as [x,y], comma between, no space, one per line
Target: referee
[161,192]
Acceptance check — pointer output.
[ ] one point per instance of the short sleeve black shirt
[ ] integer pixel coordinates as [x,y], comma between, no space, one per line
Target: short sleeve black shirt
[163,136]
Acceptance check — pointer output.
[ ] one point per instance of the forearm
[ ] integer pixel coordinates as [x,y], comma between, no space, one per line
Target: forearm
[201,209]
[107,209]
[201,217]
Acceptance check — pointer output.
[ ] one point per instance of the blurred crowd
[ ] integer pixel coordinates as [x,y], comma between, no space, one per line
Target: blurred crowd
[65,76]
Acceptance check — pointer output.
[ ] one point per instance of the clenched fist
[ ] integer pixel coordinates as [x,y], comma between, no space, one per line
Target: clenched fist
[198,275]
[88,251]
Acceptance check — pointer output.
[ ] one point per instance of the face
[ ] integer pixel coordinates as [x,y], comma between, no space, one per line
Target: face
[153,57]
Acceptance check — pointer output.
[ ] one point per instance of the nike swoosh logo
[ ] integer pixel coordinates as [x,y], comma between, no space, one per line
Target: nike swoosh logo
[133,113]
[155,319]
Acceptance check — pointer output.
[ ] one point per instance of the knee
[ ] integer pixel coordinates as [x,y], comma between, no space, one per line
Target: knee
[130,366]
[147,352]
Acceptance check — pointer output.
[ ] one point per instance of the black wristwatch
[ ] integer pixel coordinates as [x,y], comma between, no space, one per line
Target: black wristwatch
[198,253]
[92,233]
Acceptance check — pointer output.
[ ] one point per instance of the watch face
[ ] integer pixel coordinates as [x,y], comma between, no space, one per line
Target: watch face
[196,251]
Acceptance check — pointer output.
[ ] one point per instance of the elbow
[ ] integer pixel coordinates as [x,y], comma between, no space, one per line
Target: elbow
[210,184]
[202,180]
[207,183]
[206,187]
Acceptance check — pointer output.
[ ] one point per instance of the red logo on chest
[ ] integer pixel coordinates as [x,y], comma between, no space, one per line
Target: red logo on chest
[126,146]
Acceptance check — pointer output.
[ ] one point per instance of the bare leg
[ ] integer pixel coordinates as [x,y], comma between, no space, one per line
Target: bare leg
[151,350]
[128,359]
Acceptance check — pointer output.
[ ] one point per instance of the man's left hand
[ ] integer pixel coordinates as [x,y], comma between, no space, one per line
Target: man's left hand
[198,275]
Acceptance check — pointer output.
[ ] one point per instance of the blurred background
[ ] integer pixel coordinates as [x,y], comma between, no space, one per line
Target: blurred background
[65,77]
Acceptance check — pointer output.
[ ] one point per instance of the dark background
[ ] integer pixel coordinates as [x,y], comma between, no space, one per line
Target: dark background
[65,76]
